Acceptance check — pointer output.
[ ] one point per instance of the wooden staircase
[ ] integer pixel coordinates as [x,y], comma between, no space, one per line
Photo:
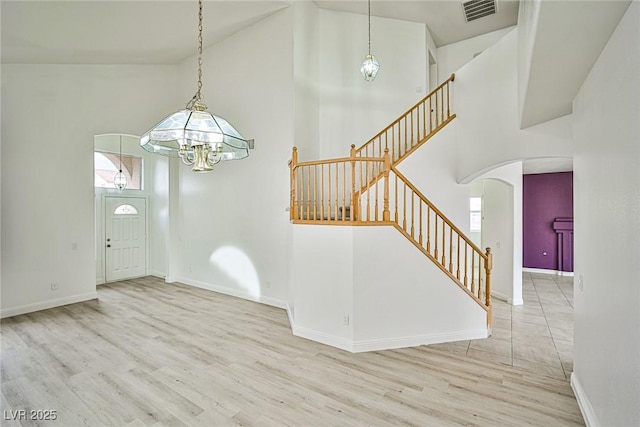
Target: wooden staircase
[367,189]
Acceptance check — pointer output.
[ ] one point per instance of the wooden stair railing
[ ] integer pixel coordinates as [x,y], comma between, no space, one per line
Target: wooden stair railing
[347,191]
[414,127]
[440,240]
[330,190]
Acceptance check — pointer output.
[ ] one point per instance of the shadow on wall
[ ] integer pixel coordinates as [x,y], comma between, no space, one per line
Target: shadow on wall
[238,267]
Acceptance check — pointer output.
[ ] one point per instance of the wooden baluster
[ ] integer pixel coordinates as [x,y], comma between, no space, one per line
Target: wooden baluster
[428,228]
[322,192]
[488,266]
[385,204]
[430,115]
[420,224]
[442,104]
[406,138]
[444,235]
[412,140]
[375,210]
[404,206]
[368,192]
[437,116]
[458,269]
[479,275]
[315,194]
[344,191]
[329,185]
[308,175]
[354,202]
[396,205]
[335,207]
[424,119]
[448,101]
[473,274]
[412,213]
[466,265]
[450,250]
[293,209]
[435,238]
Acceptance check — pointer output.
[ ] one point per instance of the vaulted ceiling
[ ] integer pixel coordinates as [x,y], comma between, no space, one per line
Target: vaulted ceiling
[164,32]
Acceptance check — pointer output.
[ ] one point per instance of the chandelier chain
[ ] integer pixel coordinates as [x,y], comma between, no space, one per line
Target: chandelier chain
[120,153]
[369,14]
[198,96]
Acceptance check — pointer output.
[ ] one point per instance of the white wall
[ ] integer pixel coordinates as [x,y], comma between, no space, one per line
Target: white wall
[306,47]
[453,56]
[353,110]
[485,101]
[502,229]
[323,277]
[155,190]
[231,231]
[607,248]
[49,205]
[403,299]
[528,16]
[393,295]
[431,168]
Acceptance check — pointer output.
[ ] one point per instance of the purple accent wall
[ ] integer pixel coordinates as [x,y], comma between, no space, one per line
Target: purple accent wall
[547,197]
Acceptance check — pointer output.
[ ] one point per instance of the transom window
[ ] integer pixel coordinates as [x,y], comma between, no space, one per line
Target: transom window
[106,165]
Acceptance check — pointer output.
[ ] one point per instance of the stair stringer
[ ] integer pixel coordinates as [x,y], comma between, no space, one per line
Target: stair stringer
[375,280]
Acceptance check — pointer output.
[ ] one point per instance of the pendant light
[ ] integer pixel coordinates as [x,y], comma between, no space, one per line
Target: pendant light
[199,138]
[120,180]
[370,64]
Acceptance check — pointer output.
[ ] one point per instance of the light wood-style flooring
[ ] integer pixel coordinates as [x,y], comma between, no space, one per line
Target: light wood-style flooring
[152,354]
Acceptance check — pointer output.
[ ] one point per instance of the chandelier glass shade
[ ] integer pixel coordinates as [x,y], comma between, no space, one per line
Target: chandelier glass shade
[199,138]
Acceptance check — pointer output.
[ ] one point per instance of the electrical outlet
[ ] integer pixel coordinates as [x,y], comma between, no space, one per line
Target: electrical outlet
[190,269]
[268,284]
[54,286]
[74,246]
[581,282]
[345,320]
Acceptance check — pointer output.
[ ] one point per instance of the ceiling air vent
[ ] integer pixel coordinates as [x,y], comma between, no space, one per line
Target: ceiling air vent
[476,9]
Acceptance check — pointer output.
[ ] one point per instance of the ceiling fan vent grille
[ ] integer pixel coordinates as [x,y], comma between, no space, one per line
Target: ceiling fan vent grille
[476,9]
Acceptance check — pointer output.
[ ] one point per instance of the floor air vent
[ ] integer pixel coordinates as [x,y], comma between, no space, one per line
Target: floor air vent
[476,9]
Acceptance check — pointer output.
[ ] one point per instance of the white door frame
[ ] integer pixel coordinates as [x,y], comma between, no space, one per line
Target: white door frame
[104,229]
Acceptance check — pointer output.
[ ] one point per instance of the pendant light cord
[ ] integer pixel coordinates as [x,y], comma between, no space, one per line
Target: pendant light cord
[120,153]
[198,97]
[369,14]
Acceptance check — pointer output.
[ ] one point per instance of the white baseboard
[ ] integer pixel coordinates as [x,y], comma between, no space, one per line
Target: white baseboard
[388,344]
[583,402]
[322,338]
[508,300]
[57,302]
[157,273]
[544,271]
[232,292]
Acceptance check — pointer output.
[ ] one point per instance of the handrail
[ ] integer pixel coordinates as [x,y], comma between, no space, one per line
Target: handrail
[415,126]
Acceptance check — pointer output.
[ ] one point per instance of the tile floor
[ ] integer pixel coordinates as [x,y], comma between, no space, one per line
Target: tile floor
[536,336]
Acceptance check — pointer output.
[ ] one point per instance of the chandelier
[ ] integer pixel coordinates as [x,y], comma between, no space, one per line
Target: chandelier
[199,138]
[370,66]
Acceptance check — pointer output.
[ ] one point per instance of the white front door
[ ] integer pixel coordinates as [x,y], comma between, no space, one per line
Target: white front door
[125,237]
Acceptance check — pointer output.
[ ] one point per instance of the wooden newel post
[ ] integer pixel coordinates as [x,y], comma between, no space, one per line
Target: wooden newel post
[386,215]
[293,210]
[354,196]
[488,265]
